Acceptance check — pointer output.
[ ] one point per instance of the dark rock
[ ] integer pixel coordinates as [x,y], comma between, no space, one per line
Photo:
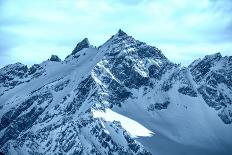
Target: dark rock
[55,58]
[187,91]
[81,45]
[212,73]
[146,51]
[15,123]
[158,106]
[121,33]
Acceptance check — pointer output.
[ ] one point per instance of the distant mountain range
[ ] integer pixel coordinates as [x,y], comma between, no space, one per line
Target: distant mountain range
[123,98]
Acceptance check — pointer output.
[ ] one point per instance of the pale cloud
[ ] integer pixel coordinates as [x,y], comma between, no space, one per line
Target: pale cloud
[183,29]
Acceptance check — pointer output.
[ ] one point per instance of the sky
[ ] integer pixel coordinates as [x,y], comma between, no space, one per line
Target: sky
[31,31]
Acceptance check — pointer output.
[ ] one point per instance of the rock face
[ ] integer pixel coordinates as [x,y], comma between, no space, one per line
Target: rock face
[55,58]
[16,74]
[213,74]
[81,45]
[52,107]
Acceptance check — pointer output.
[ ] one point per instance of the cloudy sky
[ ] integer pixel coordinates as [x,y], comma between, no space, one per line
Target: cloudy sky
[30,31]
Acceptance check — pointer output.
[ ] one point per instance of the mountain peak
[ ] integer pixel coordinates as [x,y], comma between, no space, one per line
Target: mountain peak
[55,58]
[81,45]
[207,58]
[121,33]
[213,56]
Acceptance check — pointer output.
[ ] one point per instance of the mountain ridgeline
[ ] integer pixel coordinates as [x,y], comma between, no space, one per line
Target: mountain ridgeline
[79,105]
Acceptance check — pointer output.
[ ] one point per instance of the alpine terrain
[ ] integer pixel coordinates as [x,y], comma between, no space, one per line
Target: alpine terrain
[123,98]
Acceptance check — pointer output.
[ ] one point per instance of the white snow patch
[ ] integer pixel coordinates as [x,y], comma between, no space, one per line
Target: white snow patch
[140,71]
[101,65]
[95,78]
[131,126]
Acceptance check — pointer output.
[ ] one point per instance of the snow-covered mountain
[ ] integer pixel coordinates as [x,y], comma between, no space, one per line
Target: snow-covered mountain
[124,97]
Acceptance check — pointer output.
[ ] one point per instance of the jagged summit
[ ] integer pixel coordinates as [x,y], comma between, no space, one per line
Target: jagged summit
[55,58]
[121,33]
[207,58]
[213,56]
[81,45]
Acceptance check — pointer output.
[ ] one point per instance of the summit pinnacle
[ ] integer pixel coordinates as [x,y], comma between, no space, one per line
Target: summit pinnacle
[81,45]
[121,32]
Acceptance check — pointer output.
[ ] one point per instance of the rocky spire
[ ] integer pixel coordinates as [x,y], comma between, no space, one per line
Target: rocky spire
[55,58]
[121,33]
[81,45]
